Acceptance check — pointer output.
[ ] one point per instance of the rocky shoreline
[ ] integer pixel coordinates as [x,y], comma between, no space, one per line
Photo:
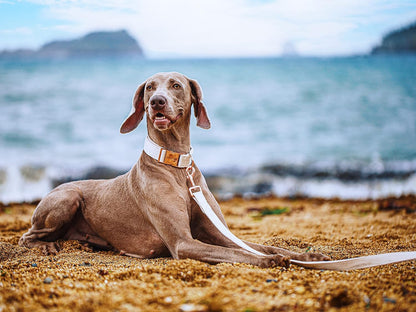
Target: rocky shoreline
[353,181]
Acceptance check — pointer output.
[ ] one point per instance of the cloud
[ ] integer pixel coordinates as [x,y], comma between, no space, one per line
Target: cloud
[233,27]
[182,27]
[17,31]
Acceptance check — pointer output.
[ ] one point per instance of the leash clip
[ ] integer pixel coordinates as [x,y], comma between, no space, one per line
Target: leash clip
[190,171]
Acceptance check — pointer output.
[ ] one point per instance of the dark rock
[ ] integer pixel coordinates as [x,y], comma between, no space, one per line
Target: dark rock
[352,172]
[47,280]
[101,172]
[389,300]
[341,298]
[102,272]
[98,172]
[407,203]
[231,184]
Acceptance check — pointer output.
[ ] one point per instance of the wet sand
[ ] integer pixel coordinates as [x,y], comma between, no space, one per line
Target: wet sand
[81,279]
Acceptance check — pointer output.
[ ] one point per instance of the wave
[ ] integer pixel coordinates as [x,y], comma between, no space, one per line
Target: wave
[343,180]
[346,171]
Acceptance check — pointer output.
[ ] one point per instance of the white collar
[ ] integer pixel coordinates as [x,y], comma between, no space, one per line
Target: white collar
[165,156]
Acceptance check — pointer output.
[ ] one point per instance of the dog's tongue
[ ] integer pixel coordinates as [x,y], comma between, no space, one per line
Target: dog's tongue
[161,122]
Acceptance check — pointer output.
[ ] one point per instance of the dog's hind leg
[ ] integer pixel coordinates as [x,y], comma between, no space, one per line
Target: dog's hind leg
[52,218]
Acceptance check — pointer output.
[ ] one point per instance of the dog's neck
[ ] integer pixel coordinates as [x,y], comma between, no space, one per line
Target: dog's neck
[175,139]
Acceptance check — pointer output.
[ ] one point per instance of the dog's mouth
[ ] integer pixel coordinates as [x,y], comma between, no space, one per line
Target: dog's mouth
[162,121]
[160,116]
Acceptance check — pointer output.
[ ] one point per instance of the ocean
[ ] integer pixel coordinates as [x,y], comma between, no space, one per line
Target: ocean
[340,127]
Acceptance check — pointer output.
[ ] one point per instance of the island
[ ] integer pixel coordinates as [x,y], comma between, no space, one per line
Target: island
[398,41]
[95,44]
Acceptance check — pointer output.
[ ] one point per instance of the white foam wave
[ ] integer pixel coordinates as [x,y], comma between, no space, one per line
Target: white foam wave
[20,184]
[331,188]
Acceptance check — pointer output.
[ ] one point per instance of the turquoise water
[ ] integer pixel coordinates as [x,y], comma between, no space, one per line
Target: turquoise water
[353,115]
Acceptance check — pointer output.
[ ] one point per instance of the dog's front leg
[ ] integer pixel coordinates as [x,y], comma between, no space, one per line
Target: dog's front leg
[194,249]
[306,256]
[207,232]
[171,221]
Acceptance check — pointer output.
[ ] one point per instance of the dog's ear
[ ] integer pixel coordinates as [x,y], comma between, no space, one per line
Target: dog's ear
[201,114]
[136,113]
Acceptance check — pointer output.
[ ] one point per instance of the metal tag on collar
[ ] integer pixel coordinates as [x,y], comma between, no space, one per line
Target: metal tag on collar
[171,158]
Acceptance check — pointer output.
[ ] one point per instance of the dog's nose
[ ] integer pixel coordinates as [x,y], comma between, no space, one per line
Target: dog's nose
[158,102]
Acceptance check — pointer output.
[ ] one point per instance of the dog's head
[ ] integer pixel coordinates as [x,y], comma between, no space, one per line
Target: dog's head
[166,98]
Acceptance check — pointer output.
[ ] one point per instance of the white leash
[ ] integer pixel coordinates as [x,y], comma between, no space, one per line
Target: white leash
[185,161]
[360,262]
[200,199]
[336,265]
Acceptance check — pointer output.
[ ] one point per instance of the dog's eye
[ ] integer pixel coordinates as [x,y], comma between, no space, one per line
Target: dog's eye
[176,86]
[149,87]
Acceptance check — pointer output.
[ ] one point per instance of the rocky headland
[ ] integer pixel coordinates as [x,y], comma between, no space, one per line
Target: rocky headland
[398,41]
[95,44]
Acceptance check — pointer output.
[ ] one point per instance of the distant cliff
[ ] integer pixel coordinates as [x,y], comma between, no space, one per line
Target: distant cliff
[96,44]
[399,41]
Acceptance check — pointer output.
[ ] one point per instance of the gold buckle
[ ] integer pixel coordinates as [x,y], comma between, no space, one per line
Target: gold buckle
[171,158]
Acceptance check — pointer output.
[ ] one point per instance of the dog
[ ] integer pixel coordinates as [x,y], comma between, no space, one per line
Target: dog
[148,212]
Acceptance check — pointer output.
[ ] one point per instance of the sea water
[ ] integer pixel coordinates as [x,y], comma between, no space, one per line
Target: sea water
[328,127]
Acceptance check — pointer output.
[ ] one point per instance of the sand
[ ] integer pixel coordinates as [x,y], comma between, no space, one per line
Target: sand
[81,279]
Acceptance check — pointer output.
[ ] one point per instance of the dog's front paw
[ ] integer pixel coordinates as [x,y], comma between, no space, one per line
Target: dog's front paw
[275,261]
[49,248]
[311,256]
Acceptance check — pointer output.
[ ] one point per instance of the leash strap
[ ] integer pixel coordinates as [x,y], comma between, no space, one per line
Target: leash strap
[165,156]
[198,196]
[360,262]
[336,265]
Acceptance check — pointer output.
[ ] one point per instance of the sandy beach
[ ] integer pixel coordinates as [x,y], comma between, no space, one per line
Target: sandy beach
[81,279]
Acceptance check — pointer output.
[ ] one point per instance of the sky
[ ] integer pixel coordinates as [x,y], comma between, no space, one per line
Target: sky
[211,28]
